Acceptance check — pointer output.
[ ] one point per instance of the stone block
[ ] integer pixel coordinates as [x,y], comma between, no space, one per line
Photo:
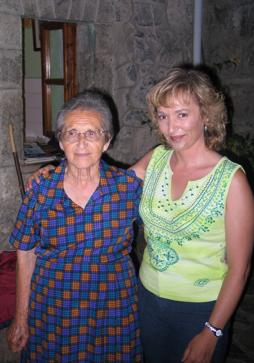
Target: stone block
[122,100]
[46,9]
[10,69]
[243,108]
[106,12]
[123,43]
[104,40]
[172,50]
[176,12]
[10,112]
[62,9]
[143,14]
[77,9]
[143,51]
[90,11]
[30,8]
[131,143]
[10,32]
[126,75]
[11,7]
[103,74]
[230,17]
[123,11]
[160,15]
[146,78]
[231,39]
[86,70]
[10,201]
[137,118]
[86,37]
[85,54]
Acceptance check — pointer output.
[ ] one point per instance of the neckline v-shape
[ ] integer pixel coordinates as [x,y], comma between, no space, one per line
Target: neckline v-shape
[189,181]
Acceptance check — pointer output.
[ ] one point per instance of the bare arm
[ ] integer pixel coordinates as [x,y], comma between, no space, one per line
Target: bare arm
[140,166]
[239,243]
[17,333]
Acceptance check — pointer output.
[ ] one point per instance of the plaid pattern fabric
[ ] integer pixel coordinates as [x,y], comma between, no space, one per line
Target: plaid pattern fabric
[83,304]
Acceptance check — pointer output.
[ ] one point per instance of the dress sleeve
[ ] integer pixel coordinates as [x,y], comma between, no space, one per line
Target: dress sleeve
[25,235]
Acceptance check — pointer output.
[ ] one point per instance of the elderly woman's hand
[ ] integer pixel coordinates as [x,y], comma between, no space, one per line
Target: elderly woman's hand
[17,335]
[36,175]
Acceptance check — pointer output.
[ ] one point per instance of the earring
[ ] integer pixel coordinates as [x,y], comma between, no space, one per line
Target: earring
[205,128]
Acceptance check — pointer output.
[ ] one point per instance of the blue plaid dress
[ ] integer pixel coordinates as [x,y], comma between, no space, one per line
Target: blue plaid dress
[83,303]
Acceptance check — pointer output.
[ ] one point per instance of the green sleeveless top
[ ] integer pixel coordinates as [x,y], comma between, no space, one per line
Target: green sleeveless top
[185,255]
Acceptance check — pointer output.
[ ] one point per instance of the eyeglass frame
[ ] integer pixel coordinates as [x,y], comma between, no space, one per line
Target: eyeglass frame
[61,135]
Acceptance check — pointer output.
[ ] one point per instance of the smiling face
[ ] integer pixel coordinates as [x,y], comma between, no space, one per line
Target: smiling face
[181,123]
[83,154]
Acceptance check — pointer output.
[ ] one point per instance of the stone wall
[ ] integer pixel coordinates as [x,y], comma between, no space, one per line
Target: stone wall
[128,46]
[228,28]
[123,47]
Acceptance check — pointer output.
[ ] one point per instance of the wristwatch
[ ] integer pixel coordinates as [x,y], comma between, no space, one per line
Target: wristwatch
[216,331]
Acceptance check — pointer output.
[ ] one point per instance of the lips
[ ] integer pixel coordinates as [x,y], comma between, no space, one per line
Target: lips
[82,154]
[176,138]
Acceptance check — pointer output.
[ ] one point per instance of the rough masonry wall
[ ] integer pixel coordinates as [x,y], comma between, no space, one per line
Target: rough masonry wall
[228,44]
[123,47]
[128,46]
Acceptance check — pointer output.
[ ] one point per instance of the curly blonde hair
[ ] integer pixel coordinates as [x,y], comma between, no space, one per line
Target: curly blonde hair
[190,83]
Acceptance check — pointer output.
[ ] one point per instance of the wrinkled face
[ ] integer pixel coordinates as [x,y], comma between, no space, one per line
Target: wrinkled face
[84,150]
[181,123]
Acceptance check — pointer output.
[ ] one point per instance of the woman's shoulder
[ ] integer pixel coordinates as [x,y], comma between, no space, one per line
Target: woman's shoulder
[161,151]
[140,167]
[230,165]
[159,158]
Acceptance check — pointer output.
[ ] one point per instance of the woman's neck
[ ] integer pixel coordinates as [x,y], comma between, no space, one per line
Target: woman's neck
[192,157]
[77,176]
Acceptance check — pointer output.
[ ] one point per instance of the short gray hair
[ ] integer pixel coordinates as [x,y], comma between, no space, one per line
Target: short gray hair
[91,99]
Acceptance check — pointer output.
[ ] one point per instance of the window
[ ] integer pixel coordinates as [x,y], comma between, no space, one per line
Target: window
[58,61]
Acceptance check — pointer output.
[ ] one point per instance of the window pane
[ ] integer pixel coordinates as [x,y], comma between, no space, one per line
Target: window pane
[56,53]
[57,101]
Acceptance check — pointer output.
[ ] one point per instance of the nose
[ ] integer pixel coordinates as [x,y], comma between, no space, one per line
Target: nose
[171,125]
[82,140]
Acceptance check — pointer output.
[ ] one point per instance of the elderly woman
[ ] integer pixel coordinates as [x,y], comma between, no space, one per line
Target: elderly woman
[76,284]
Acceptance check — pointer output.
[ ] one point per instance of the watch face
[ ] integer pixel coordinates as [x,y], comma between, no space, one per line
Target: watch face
[218,333]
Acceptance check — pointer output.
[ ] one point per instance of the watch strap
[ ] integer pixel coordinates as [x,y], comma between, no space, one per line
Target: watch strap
[216,331]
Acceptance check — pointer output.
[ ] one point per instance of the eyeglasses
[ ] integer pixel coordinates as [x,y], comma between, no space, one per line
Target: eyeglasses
[74,135]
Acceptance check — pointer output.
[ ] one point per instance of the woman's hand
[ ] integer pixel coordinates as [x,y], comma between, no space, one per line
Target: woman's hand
[201,348]
[18,332]
[17,335]
[36,175]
